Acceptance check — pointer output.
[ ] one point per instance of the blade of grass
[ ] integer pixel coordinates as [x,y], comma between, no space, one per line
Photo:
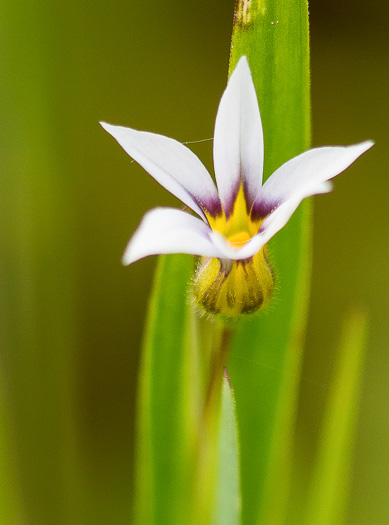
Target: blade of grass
[266,354]
[331,478]
[227,498]
[167,405]
[186,442]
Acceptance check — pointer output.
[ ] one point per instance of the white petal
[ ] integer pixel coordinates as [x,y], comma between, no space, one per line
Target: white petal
[226,251]
[304,174]
[282,213]
[278,218]
[167,230]
[238,140]
[172,164]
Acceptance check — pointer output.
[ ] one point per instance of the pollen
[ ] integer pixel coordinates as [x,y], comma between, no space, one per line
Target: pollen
[239,239]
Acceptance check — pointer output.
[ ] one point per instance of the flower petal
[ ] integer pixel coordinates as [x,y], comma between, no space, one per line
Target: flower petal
[337,157]
[304,174]
[171,164]
[238,139]
[167,230]
[248,250]
[274,222]
[278,219]
[279,215]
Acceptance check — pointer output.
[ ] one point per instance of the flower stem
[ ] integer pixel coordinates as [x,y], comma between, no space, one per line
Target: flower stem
[209,424]
[218,368]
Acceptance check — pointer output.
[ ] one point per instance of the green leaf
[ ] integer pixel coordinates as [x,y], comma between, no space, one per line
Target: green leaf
[266,354]
[167,401]
[227,497]
[331,478]
[179,440]
[187,438]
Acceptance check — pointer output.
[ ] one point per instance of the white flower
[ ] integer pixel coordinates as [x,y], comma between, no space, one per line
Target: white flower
[239,217]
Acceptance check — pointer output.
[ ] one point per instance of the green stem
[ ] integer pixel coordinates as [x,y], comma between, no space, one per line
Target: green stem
[218,364]
[208,433]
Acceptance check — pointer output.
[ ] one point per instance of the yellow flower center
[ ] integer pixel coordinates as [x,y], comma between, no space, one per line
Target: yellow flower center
[232,288]
[239,239]
[238,228]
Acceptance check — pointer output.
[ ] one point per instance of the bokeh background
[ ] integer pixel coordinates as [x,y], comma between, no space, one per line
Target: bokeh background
[71,316]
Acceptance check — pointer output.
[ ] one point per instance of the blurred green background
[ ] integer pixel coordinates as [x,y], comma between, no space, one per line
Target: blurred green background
[72,316]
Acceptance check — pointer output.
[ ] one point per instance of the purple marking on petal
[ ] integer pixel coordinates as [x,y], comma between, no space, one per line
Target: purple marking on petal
[249,198]
[213,207]
[229,205]
[261,209]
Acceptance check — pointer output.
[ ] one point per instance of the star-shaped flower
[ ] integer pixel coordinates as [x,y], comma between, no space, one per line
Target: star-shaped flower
[239,217]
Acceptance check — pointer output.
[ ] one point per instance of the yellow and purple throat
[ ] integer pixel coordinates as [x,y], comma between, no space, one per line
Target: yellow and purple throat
[232,288]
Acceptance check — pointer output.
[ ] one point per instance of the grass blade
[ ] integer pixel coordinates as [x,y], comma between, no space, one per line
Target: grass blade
[266,355]
[228,500]
[187,455]
[167,401]
[328,496]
